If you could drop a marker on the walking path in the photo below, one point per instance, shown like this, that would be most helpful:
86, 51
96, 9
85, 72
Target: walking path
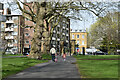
61, 69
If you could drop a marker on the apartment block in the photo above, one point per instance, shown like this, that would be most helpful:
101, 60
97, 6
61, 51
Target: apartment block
61, 33
2, 18
28, 30
78, 37
28, 35
12, 31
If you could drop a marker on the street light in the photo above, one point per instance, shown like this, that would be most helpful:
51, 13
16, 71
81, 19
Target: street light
74, 45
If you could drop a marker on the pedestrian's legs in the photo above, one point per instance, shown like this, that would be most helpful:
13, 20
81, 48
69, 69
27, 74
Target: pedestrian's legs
64, 59
52, 57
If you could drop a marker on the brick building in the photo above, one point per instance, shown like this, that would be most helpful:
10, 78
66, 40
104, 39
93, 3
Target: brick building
60, 33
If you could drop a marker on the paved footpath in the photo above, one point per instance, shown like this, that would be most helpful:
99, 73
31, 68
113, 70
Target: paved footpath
61, 69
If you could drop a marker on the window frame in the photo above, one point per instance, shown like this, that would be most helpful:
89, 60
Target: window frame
83, 42
26, 41
73, 36
83, 36
78, 36
26, 33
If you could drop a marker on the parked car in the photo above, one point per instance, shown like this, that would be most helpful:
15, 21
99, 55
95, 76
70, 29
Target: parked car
99, 53
26, 53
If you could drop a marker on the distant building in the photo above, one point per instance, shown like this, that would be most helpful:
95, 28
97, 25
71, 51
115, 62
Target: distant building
2, 18
78, 37
19, 33
61, 34
28, 35
12, 31
1, 8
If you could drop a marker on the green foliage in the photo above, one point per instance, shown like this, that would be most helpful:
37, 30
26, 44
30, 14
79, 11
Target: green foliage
45, 13
104, 33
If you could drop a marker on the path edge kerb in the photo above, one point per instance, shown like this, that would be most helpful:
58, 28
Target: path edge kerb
77, 67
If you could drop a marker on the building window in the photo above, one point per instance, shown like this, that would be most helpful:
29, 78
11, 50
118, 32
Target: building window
78, 42
73, 36
53, 42
27, 42
83, 36
54, 35
82, 42
26, 34
15, 46
58, 36
15, 41
15, 25
14, 33
2, 25
77, 36
57, 42
15, 18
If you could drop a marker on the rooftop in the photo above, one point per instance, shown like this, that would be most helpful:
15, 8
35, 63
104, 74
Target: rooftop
80, 30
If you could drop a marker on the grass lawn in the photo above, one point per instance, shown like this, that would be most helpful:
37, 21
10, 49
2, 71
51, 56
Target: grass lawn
13, 65
12, 55
97, 66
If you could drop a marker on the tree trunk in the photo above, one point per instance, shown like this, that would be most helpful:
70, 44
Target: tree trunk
46, 42
38, 33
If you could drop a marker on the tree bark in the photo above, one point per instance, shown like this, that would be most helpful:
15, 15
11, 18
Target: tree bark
38, 33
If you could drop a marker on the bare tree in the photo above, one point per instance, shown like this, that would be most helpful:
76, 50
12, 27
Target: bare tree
44, 13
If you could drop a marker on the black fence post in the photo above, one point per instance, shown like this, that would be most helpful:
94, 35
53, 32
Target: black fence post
83, 50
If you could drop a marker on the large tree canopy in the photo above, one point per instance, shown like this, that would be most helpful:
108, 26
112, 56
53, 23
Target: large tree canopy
104, 32
44, 13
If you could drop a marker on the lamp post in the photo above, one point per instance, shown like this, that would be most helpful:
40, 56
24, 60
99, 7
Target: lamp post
70, 49
64, 43
74, 44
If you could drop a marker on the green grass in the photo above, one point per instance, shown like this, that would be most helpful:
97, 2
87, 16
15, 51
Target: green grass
0, 65
13, 65
46, 56
12, 55
98, 68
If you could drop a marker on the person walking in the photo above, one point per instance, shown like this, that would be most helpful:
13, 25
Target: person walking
53, 52
64, 56
56, 58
